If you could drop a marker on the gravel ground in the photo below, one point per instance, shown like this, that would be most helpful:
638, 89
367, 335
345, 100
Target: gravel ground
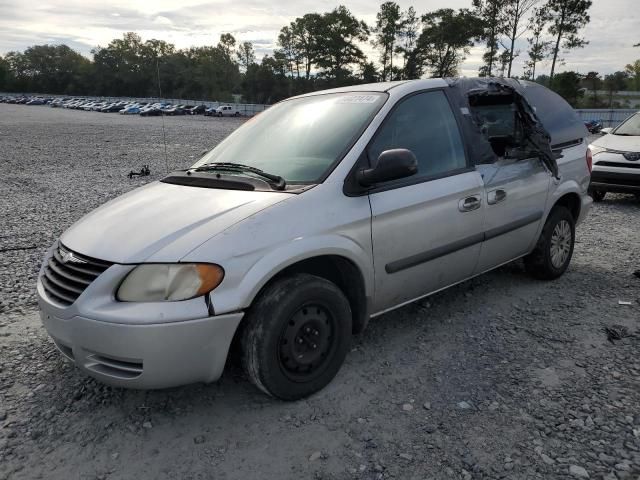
500, 377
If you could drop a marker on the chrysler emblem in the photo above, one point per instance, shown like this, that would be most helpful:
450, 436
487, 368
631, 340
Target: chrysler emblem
67, 257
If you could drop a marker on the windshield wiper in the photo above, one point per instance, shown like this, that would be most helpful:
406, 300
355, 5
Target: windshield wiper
278, 182
625, 135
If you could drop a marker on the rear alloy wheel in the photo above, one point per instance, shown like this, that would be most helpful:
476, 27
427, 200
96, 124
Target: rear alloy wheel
597, 195
296, 336
554, 248
561, 243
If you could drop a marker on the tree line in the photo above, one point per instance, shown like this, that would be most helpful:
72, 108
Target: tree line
315, 51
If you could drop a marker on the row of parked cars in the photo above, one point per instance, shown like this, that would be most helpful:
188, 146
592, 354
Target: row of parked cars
126, 107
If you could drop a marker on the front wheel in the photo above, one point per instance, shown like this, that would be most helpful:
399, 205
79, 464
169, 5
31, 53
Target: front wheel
554, 249
296, 337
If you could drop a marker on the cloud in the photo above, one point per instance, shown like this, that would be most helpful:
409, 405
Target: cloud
86, 24
162, 20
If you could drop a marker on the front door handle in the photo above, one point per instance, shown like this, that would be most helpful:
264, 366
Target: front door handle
470, 203
496, 196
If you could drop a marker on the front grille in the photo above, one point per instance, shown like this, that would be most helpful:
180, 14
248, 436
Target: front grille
68, 273
618, 164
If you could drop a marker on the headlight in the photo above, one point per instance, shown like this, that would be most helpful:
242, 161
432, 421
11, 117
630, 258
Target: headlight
596, 149
169, 282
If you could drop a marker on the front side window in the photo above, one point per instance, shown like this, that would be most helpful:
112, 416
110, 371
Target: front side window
300, 139
424, 124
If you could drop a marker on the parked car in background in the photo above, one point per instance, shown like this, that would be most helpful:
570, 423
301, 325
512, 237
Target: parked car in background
113, 107
594, 126
616, 160
413, 186
174, 110
152, 110
131, 110
197, 110
227, 111
88, 106
58, 102
36, 101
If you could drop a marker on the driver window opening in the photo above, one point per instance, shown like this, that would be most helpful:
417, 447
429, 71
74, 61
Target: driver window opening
498, 120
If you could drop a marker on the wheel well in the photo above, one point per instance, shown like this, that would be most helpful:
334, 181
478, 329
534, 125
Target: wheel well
342, 272
571, 201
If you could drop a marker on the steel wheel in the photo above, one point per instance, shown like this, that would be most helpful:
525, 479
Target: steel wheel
560, 243
306, 342
296, 336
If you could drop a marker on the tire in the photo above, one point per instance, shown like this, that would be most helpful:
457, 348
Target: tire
296, 336
552, 253
597, 195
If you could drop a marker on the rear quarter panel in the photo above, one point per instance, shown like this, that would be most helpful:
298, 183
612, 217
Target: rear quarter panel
574, 176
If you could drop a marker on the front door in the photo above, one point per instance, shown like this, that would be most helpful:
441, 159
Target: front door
426, 229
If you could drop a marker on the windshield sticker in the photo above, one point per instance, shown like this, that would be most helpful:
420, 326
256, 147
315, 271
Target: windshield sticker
358, 99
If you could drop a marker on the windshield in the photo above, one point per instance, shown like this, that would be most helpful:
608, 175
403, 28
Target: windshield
631, 126
299, 139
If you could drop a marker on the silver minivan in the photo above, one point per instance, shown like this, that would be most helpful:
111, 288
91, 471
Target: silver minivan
322, 212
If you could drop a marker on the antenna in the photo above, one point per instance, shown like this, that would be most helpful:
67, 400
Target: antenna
164, 135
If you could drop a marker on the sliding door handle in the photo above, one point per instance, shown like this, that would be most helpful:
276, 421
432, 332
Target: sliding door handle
496, 196
470, 203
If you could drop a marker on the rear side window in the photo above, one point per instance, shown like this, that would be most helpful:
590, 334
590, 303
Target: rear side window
424, 124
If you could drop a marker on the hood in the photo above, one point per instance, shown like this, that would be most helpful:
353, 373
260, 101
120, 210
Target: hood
619, 142
162, 222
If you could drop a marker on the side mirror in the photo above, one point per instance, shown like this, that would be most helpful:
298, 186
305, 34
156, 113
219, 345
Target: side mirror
391, 165
606, 130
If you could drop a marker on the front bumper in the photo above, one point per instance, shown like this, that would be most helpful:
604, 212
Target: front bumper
616, 181
145, 356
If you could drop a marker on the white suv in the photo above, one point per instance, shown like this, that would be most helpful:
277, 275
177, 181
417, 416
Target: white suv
322, 212
616, 160
227, 111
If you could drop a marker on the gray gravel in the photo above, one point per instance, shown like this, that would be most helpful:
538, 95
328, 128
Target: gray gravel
500, 377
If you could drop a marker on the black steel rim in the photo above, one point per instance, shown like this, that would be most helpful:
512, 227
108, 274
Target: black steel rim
307, 342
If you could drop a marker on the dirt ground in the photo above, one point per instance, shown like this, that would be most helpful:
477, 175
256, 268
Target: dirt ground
502, 376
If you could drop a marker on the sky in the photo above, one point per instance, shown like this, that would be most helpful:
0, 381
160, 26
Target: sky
86, 24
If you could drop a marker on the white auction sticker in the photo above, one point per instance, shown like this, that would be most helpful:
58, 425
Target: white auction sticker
358, 99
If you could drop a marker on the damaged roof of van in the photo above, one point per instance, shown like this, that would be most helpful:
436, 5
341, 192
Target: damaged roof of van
558, 117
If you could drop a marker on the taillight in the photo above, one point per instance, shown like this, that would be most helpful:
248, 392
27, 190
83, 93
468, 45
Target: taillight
589, 160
